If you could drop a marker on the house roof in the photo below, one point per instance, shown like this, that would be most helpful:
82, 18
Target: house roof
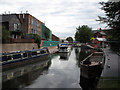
101, 39
102, 33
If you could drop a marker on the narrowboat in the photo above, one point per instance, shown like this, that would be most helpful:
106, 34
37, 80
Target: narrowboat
64, 48
92, 65
20, 58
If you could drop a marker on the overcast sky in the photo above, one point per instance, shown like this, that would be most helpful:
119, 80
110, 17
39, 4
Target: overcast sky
60, 16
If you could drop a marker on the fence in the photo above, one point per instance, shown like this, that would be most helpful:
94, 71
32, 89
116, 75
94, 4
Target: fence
50, 43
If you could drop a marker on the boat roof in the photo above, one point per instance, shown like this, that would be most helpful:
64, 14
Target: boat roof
64, 44
15, 52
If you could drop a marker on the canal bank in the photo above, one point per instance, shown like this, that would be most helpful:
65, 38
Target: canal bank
53, 49
110, 77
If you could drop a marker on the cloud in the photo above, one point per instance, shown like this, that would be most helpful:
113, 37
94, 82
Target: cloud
61, 16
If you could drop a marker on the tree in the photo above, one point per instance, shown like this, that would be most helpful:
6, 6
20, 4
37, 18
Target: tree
83, 34
112, 18
70, 39
37, 39
5, 35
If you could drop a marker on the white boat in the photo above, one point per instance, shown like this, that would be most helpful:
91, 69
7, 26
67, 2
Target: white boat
64, 48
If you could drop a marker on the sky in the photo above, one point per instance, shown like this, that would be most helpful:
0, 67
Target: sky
62, 17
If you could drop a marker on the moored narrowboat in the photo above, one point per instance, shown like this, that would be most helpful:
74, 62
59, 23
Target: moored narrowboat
64, 48
92, 66
20, 58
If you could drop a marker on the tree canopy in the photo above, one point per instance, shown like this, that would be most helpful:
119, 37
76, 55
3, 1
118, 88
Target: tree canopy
70, 39
112, 18
83, 34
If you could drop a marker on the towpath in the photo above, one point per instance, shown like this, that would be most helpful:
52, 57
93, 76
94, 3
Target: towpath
112, 64
110, 77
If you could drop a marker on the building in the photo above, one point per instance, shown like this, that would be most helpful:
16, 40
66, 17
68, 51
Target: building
100, 34
30, 24
24, 22
46, 33
12, 23
55, 38
100, 38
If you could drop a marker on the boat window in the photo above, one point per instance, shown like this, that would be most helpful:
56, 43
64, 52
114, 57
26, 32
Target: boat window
34, 53
38, 52
24, 54
4, 58
42, 52
9, 57
47, 50
16, 56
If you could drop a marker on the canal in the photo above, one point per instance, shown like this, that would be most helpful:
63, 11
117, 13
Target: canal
60, 71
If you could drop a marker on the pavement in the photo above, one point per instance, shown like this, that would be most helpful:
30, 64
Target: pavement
110, 77
112, 64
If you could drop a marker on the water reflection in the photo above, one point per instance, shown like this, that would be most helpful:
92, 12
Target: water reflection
20, 77
64, 56
89, 83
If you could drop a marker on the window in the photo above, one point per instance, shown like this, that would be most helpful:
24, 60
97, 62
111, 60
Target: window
15, 27
32, 21
29, 20
14, 36
23, 16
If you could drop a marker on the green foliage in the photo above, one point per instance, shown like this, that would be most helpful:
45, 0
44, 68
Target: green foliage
112, 18
70, 39
83, 34
99, 50
5, 35
36, 38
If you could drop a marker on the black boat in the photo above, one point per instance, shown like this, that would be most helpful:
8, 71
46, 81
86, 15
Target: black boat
21, 58
92, 66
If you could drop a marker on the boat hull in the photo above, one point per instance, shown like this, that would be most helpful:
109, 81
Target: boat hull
23, 62
91, 71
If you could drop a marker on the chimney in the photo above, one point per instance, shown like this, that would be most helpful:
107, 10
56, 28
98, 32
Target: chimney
100, 30
5, 12
26, 11
23, 15
19, 15
8, 12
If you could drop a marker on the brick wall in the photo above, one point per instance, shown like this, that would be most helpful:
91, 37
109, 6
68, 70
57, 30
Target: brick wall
18, 47
54, 38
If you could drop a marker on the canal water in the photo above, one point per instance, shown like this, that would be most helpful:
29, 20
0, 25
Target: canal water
60, 71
